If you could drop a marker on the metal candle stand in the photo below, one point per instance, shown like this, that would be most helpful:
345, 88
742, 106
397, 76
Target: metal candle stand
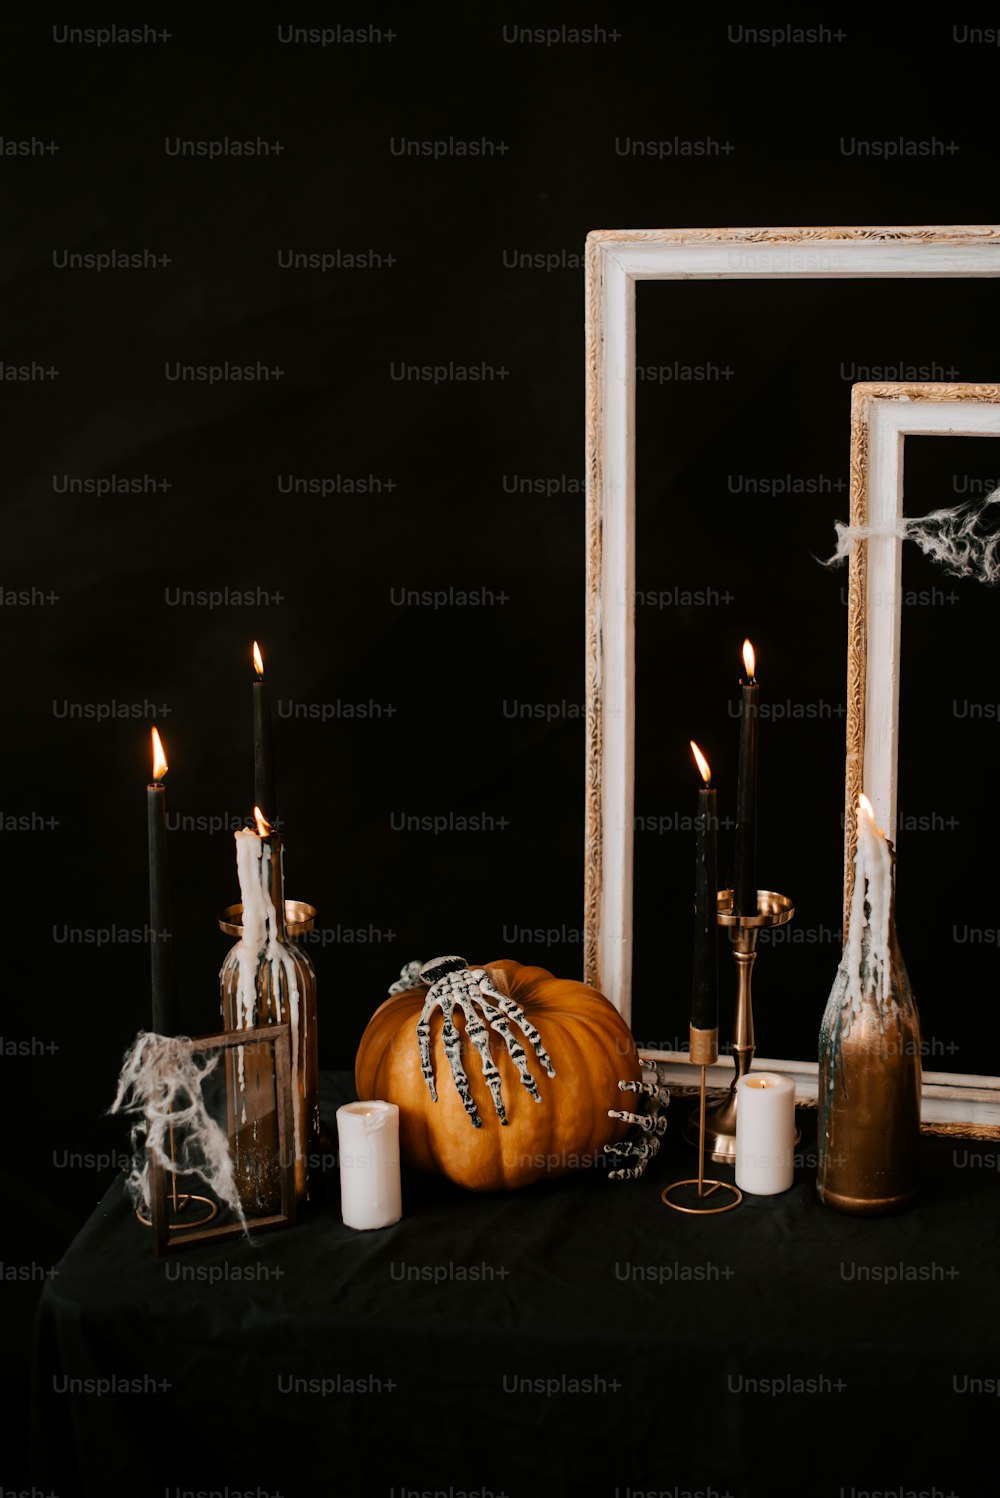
178, 1202
704, 1052
715, 1130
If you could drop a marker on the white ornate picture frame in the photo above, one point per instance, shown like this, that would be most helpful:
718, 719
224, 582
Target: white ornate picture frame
616, 260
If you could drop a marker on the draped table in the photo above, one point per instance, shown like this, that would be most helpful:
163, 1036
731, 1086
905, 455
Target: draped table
572, 1338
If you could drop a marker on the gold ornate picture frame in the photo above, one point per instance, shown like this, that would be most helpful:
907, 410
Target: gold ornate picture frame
882, 417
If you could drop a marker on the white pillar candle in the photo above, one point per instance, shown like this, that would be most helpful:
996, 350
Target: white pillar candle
370, 1194
765, 1133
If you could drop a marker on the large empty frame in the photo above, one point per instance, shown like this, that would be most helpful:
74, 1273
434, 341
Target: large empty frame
616, 259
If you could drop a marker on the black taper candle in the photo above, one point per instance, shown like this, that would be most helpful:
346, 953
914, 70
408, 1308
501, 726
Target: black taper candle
745, 861
165, 1020
263, 758
705, 974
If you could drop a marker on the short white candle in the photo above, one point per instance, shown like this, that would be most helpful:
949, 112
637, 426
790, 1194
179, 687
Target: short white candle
370, 1193
765, 1133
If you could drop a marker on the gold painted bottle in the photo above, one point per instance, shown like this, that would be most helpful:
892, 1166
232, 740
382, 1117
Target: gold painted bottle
869, 1086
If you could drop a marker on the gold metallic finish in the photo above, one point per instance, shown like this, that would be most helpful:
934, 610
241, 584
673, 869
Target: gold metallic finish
869, 1094
981, 1131
772, 910
719, 1135
299, 917
736, 1197
704, 1046
179, 1201
735, 1194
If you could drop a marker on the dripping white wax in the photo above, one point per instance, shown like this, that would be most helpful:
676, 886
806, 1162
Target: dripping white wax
872, 882
260, 934
278, 956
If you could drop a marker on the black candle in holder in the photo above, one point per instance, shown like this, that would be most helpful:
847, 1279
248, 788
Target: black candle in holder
745, 862
161, 933
263, 757
704, 1033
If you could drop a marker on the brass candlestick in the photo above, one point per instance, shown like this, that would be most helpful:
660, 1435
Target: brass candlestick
704, 1052
717, 1133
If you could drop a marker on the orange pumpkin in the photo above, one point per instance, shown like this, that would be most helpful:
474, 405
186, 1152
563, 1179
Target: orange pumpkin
591, 1048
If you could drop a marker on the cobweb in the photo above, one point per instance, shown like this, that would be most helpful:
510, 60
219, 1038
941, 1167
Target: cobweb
161, 1084
957, 538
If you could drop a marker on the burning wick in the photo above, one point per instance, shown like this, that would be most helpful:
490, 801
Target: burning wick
160, 766
702, 763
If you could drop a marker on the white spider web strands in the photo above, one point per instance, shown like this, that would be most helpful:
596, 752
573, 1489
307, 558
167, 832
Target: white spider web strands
161, 1082
953, 537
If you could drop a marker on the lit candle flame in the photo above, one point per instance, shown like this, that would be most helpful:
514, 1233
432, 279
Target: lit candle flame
867, 810
702, 763
749, 660
160, 765
263, 825
258, 660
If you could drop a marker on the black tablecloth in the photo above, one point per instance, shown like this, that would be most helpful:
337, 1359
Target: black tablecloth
576, 1338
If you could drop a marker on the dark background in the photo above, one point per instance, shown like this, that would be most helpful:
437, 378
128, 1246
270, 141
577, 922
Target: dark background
474, 486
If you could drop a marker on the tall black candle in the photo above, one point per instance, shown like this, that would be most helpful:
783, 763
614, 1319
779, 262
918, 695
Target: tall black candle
745, 864
161, 926
705, 976
263, 759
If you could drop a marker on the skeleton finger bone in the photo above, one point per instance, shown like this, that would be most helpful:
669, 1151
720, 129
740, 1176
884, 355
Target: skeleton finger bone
647, 1089
650, 1123
517, 1014
514, 1047
639, 1150
480, 1037
453, 985
453, 1050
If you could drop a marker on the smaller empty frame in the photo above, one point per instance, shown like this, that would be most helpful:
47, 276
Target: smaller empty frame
259, 1057
882, 416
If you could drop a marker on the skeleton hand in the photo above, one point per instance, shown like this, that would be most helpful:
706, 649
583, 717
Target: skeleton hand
454, 985
653, 1124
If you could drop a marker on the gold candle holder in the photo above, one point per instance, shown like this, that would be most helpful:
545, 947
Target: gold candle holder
704, 1051
716, 1131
